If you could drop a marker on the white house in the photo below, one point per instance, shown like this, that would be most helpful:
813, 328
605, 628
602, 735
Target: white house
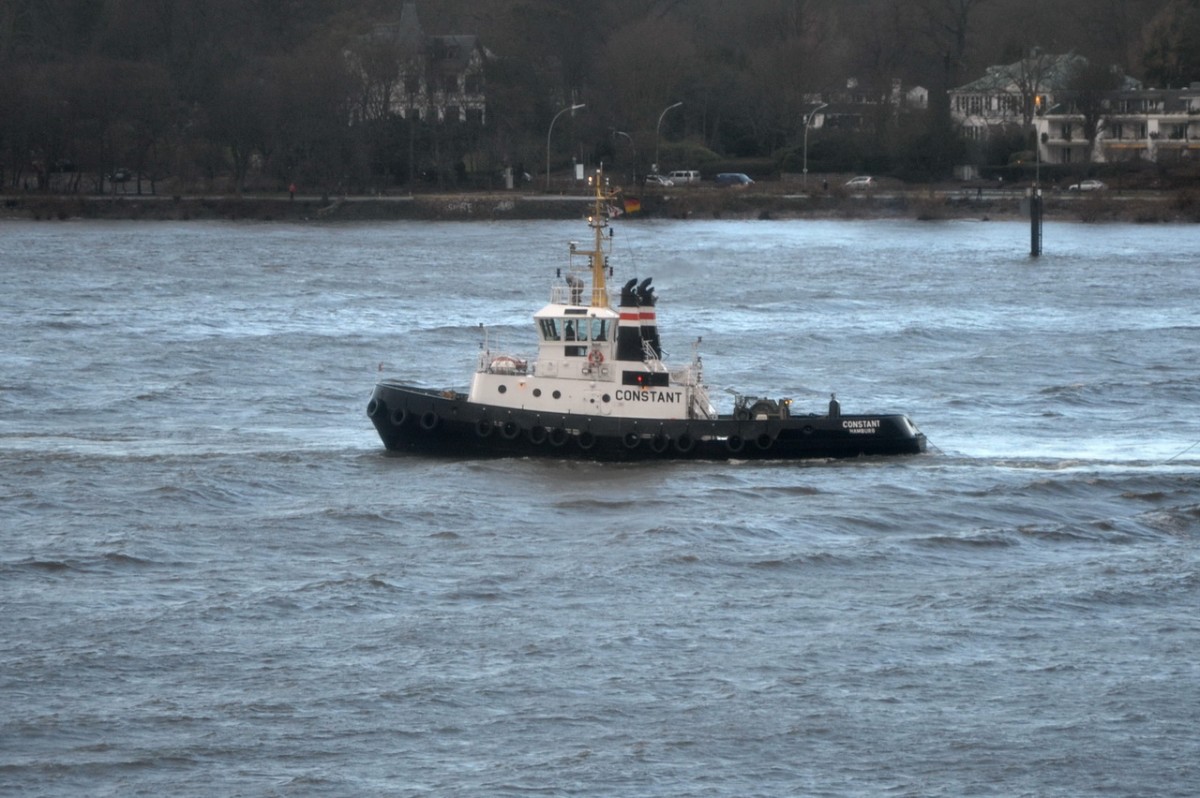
849, 108
409, 74
1011, 94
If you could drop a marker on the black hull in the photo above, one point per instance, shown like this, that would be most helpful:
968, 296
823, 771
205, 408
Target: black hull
444, 423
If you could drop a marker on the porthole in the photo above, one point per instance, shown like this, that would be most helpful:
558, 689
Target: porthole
502, 389
606, 398
557, 395
537, 391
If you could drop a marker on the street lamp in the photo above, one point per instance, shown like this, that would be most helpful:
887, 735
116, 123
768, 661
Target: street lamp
659, 127
807, 122
571, 108
632, 145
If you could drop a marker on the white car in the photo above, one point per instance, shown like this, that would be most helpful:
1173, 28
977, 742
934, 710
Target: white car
659, 180
860, 182
1088, 185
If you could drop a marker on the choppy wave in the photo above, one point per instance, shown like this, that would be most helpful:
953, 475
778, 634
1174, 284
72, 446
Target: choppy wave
215, 582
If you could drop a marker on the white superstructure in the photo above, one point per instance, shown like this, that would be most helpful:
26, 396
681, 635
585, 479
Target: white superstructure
592, 359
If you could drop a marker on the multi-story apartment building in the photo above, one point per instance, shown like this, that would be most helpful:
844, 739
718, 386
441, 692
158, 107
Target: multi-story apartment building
1156, 125
1129, 123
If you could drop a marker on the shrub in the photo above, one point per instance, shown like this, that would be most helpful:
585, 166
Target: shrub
687, 154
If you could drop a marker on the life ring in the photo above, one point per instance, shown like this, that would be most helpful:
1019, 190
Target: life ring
510, 430
631, 440
586, 440
557, 436
595, 357
483, 428
659, 443
734, 443
764, 441
685, 443
375, 407
429, 420
537, 434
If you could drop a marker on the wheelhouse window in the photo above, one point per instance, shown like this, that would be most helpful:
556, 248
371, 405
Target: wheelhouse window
576, 329
599, 329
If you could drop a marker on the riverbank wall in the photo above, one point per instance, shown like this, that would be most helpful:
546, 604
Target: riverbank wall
705, 203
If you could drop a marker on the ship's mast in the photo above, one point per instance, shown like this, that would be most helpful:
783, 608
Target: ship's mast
598, 221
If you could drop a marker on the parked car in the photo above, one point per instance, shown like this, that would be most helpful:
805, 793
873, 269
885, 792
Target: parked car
683, 177
120, 176
659, 180
860, 182
1087, 185
734, 179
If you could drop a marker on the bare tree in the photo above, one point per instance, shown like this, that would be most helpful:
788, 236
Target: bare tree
1171, 44
1036, 75
947, 27
1110, 28
375, 60
1088, 87
644, 67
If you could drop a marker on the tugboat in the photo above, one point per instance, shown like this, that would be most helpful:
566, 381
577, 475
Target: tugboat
599, 390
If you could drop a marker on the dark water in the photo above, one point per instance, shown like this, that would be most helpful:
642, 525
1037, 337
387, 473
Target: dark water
213, 582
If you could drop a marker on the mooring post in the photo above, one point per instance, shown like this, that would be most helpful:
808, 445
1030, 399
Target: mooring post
1035, 221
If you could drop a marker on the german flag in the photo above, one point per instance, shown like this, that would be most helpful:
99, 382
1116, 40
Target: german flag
632, 204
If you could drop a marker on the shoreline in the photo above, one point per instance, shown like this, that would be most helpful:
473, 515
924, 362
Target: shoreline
691, 203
